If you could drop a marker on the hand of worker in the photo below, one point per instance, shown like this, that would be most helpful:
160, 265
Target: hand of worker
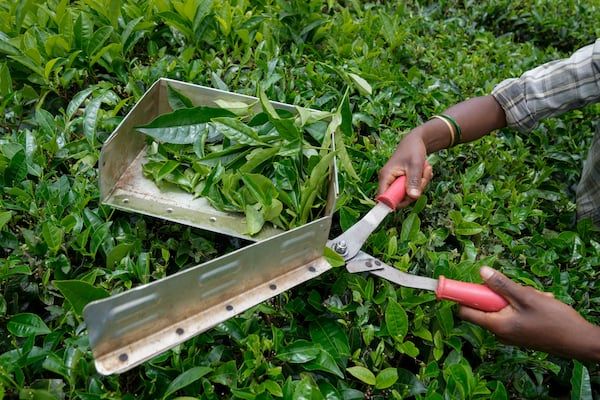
409, 160
463, 122
536, 320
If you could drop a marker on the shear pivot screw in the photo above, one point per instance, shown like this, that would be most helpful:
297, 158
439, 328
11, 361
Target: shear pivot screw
340, 247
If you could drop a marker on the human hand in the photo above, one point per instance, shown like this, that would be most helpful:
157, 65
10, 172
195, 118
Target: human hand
536, 320
409, 160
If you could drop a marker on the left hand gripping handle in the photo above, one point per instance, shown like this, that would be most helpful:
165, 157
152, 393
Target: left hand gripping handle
470, 294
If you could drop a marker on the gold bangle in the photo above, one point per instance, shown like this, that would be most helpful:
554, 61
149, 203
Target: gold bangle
456, 126
450, 127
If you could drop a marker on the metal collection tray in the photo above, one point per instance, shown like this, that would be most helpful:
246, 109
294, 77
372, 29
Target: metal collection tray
131, 327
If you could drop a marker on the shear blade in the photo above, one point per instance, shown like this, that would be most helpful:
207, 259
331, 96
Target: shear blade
366, 263
348, 244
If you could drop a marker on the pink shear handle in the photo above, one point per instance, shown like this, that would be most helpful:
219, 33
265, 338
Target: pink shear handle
470, 294
394, 194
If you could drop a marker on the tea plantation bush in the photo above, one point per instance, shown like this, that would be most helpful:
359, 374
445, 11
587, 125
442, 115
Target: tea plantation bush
70, 71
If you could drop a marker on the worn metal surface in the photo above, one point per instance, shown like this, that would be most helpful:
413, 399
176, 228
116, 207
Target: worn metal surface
364, 262
134, 326
349, 243
123, 186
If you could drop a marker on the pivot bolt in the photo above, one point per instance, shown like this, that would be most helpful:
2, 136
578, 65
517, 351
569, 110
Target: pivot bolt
340, 247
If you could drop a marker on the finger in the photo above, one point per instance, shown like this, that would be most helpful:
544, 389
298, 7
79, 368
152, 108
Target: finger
414, 178
500, 284
387, 176
487, 320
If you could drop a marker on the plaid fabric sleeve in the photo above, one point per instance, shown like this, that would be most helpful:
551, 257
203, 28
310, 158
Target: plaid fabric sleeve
551, 89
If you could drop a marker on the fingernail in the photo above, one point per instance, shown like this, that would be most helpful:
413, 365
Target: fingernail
486, 272
413, 192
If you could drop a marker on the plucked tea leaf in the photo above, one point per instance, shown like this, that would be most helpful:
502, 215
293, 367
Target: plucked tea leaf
255, 219
183, 126
237, 131
285, 126
236, 107
333, 258
177, 100
313, 185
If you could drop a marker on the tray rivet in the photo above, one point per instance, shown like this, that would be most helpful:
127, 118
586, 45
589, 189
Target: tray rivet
272, 286
169, 210
377, 262
123, 357
212, 219
229, 307
312, 269
125, 201
179, 331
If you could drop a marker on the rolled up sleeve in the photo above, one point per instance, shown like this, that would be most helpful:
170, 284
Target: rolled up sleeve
551, 89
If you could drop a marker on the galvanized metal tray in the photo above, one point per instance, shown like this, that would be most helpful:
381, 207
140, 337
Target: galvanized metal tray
123, 185
134, 326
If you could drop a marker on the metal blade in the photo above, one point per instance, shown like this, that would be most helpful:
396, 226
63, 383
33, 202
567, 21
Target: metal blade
348, 244
363, 262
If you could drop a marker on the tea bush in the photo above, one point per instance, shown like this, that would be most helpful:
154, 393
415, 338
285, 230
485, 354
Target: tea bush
69, 73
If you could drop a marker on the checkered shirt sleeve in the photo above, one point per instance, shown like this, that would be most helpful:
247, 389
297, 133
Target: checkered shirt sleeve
551, 89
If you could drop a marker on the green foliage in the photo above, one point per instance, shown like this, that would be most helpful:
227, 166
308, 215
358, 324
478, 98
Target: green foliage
272, 166
69, 72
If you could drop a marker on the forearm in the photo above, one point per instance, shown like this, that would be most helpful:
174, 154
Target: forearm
586, 346
476, 118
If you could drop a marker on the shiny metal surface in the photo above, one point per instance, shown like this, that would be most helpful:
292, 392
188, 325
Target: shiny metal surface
363, 262
134, 326
348, 244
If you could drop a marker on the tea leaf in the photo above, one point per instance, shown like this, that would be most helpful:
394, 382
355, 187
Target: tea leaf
363, 374
468, 228
16, 170
80, 293
386, 378
324, 362
53, 236
396, 320
581, 387
237, 131
182, 126
5, 217
178, 100
185, 379
361, 84
27, 324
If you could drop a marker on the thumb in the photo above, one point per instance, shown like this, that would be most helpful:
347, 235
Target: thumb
414, 175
